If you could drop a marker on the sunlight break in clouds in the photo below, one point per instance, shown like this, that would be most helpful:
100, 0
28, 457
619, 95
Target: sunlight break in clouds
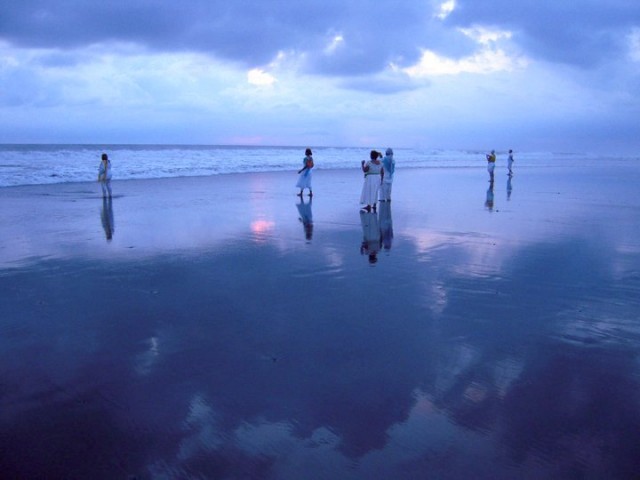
334, 44
488, 59
257, 76
445, 9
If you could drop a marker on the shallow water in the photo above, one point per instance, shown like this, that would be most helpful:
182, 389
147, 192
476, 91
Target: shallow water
215, 335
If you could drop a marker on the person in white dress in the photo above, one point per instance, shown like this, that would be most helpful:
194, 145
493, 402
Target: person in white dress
373, 176
304, 174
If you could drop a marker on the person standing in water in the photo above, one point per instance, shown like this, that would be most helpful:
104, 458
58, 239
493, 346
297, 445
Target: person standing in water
373, 176
491, 164
510, 163
104, 175
304, 179
388, 167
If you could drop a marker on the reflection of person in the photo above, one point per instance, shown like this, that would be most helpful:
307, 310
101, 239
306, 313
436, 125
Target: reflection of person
370, 235
388, 167
491, 164
106, 216
306, 217
509, 188
489, 202
104, 175
373, 176
304, 178
386, 225
510, 163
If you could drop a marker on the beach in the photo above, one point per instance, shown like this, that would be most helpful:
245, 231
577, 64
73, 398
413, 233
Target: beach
222, 327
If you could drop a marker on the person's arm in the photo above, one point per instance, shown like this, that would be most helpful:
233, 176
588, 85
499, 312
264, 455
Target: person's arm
365, 168
381, 175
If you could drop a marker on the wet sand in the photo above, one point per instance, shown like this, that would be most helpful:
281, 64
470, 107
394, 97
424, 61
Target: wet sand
216, 328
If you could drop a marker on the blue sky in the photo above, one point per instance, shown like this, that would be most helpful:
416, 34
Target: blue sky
554, 75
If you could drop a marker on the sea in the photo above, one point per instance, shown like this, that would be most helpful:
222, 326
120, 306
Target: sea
47, 164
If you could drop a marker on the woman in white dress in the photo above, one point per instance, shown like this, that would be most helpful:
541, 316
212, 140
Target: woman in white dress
373, 176
304, 178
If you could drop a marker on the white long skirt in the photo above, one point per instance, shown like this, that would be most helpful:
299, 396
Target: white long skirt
370, 188
304, 180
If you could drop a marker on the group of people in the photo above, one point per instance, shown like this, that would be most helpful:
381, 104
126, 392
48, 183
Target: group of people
491, 164
378, 178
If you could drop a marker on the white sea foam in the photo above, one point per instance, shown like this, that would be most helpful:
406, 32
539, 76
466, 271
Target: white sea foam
45, 164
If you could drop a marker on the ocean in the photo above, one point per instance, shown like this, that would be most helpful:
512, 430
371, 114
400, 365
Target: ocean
47, 164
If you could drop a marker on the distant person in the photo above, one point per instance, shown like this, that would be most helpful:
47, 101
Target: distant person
388, 167
104, 175
306, 217
304, 179
373, 176
491, 164
106, 217
371, 240
510, 163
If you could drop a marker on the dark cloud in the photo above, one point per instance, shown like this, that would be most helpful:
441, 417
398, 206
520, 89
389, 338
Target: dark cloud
578, 33
249, 32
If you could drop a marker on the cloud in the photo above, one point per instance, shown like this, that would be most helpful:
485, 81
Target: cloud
257, 76
275, 70
576, 33
335, 38
489, 58
340, 39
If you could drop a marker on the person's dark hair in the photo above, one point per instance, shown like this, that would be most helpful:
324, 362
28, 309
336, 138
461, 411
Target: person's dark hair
105, 157
374, 154
308, 152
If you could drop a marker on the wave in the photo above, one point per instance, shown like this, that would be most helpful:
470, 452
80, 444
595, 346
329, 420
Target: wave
46, 164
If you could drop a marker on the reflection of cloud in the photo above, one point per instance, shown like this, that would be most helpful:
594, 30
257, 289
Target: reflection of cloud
264, 438
201, 426
426, 240
333, 257
437, 297
147, 359
484, 255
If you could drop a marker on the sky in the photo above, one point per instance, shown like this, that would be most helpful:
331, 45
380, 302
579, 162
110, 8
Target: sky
534, 75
